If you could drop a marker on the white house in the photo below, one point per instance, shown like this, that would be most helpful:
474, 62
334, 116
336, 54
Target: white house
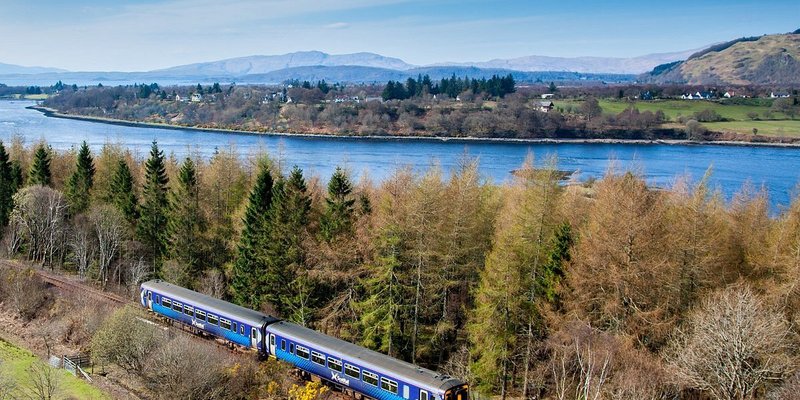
729, 94
545, 106
547, 96
197, 97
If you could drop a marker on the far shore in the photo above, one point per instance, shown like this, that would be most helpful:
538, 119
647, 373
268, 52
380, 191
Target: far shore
49, 112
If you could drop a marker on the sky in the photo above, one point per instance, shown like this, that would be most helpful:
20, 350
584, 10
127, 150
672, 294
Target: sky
117, 35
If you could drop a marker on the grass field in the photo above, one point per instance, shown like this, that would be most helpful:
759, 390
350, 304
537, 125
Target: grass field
14, 362
784, 128
676, 108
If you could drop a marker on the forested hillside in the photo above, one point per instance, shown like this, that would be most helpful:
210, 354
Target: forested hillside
532, 289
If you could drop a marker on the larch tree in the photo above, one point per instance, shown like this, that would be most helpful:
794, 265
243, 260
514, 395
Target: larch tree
517, 279
188, 222
122, 193
226, 186
81, 181
152, 229
40, 173
249, 263
337, 218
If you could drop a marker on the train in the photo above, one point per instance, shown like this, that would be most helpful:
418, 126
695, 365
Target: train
348, 367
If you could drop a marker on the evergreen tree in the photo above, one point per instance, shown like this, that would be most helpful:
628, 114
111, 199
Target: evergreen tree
249, 263
337, 219
152, 229
16, 175
122, 194
285, 253
40, 169
383, 311
81, 181
7, 187
188, 224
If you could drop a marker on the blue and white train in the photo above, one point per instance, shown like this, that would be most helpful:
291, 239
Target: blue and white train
347, 366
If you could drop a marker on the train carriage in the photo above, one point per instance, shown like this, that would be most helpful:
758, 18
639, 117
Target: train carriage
219, 318
353, 367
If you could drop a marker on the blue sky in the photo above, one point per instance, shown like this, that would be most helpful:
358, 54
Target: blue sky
150, 34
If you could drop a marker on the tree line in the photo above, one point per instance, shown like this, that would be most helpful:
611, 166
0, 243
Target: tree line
494, 87
531, 288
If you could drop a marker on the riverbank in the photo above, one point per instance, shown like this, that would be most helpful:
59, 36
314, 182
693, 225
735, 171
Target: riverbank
49, 112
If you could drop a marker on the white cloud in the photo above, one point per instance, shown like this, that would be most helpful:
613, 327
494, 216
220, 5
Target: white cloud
338, 25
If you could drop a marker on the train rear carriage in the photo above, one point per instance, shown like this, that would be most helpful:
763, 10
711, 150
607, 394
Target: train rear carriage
365, 371
216, 317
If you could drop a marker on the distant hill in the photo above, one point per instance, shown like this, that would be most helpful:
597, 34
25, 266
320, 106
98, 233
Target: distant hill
264, 64
358, 74
764, 60
19, 69
633, 65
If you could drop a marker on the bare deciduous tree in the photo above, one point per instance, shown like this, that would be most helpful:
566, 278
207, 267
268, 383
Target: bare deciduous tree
43, 382
7, 385
82, 244
41, 214
733, 346
110, 229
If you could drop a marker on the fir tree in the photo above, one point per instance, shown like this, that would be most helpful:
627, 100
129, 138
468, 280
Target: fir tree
337, 218
81, 181
152, 229
250, 260
7, 187
188, 224
122, 194
17, 179
40, 169
285, 254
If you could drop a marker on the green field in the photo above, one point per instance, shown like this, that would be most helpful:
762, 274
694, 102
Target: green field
15, 361
677, 108
783, 128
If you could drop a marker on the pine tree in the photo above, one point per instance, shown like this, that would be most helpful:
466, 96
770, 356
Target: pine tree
81, 181
188, 224
40, 169
152, 229
122, 194
7, 187
337, 219
17, 179
250, 259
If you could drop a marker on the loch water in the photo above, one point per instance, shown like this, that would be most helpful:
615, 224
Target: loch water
777, 169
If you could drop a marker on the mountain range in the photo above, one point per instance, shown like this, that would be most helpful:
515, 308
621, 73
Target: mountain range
355, 67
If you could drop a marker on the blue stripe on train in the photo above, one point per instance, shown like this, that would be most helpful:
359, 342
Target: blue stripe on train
207, 327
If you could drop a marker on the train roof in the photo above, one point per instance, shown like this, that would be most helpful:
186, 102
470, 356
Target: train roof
379, 362
246, 315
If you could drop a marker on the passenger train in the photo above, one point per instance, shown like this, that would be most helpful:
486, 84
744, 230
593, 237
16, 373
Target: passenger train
340, 363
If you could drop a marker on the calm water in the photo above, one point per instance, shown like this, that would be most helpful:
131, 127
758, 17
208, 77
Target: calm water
777, 169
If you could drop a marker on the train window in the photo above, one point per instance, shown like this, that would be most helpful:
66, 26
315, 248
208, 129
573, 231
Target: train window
272, 340
283, 345
318, 358
188, 310
351, 371
166, 302
234, 328
241, 329
224, 324
212, 319
423, 395
201, 315
149, 295
253, 333
302, 352
291, 348
389, 385
334, 364
369, 378
177, 306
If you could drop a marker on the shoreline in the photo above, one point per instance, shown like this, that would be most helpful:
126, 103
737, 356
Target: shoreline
49, 112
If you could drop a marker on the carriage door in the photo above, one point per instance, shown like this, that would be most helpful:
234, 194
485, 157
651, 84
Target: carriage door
150, 300
272, 344
254, 338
